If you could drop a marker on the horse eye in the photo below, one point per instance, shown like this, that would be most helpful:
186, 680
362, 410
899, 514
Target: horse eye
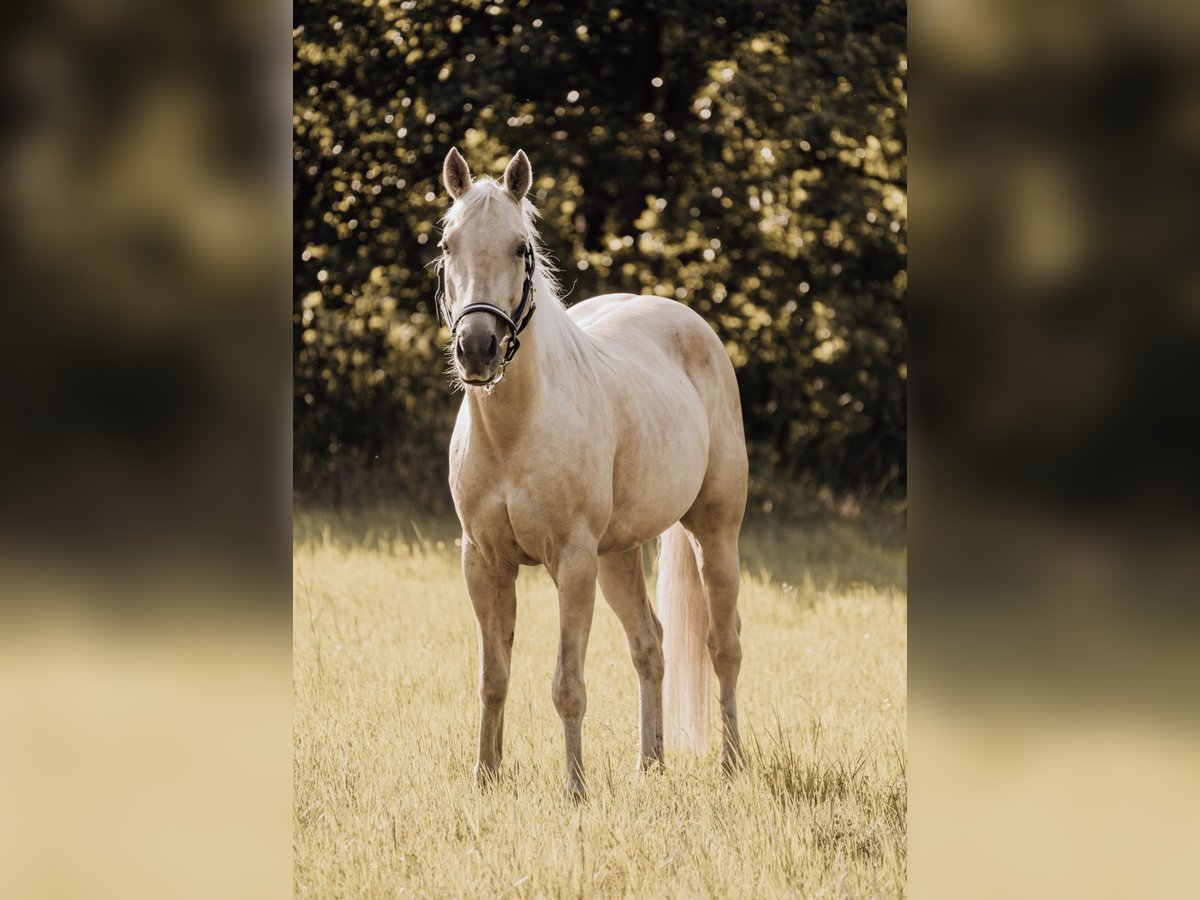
522, 249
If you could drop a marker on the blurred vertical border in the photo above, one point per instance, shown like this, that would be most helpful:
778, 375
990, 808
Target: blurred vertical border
1054, 533
144, 672
144, 465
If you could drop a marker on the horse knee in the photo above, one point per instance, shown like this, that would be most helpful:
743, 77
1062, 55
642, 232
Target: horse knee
570, 698
493, 688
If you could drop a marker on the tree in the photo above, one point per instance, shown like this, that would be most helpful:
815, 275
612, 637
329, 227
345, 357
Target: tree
747, 159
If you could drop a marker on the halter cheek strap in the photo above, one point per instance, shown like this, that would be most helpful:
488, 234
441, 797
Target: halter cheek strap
515, 323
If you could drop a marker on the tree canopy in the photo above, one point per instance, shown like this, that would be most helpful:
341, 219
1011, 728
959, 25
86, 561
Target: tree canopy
748, 159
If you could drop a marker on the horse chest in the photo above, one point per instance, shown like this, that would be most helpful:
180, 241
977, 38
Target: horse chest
512, 514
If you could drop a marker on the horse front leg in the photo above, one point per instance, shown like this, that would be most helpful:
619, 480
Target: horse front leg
575, 576
493, 595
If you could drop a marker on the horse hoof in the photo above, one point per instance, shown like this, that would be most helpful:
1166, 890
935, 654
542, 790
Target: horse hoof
651, 764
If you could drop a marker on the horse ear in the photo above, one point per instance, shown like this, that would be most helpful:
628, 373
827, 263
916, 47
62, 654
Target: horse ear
518, 176
455, 174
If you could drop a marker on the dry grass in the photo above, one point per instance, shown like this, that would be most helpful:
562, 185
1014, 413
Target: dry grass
385, 717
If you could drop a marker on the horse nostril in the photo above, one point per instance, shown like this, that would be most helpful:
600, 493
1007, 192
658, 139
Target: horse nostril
458, 347
493, 346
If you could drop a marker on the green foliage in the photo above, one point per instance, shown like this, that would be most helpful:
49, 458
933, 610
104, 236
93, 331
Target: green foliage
747, 159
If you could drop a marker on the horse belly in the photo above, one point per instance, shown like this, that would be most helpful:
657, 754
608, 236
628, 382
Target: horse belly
655, 483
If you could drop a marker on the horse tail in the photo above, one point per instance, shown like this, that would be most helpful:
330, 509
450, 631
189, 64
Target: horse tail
683, 611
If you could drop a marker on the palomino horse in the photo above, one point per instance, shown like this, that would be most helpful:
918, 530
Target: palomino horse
617, 422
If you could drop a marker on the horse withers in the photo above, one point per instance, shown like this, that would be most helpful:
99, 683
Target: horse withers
584, 434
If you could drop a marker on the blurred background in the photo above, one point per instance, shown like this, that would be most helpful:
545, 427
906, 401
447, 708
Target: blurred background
1054, 528
145, 694
153, 303
748, 160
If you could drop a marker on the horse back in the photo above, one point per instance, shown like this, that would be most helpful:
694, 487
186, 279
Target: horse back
657, 337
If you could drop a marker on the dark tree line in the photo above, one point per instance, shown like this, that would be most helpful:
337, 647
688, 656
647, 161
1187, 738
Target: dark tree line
746, 158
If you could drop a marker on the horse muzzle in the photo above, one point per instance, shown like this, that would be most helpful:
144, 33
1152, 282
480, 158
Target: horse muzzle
477, 349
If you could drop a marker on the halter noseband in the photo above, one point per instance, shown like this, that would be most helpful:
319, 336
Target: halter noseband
515, 323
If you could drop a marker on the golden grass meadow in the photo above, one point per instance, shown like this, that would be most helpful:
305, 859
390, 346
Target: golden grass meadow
385, 709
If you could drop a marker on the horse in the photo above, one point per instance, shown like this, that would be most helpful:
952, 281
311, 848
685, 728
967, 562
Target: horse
583, 434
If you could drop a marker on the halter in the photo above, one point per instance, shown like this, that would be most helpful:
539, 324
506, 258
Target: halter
522, 315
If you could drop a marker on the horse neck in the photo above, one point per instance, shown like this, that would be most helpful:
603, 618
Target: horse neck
552, 348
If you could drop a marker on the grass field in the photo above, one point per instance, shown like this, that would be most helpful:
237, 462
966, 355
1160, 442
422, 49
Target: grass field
385, 718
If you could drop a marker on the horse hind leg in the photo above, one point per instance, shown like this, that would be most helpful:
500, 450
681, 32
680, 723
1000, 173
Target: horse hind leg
714, 522
623, 583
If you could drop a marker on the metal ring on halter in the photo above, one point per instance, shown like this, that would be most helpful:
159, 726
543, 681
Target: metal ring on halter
515, 323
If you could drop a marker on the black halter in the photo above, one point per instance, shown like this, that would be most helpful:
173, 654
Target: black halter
515, 323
